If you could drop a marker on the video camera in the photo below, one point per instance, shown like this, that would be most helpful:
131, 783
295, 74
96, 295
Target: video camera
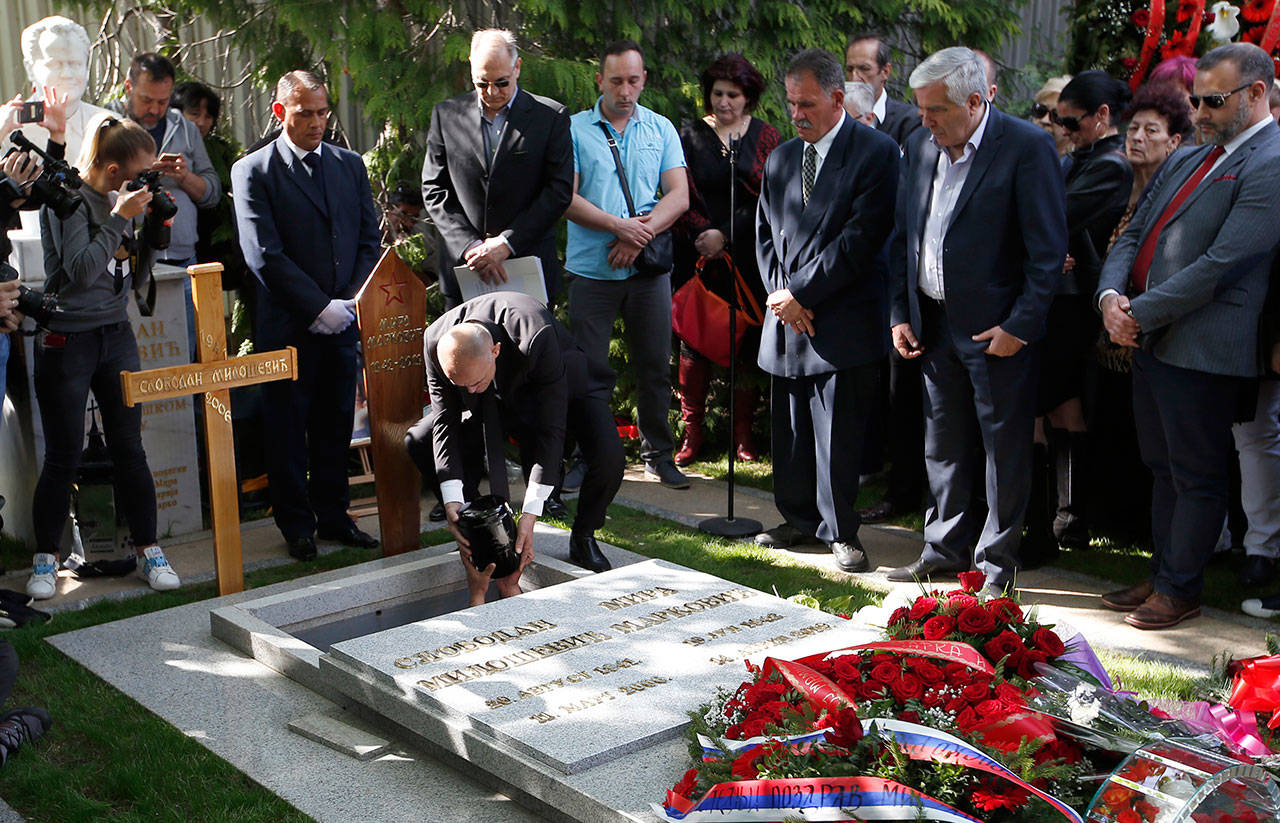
37, 305
56, 185
160, 213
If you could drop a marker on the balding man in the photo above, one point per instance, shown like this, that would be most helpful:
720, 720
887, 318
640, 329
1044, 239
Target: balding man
497, 139
309, 234
860, 101
505, 359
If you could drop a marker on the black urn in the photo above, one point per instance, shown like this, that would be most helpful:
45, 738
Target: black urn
490, 526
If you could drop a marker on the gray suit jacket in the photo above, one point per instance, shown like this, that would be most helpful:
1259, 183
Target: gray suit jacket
1208, 279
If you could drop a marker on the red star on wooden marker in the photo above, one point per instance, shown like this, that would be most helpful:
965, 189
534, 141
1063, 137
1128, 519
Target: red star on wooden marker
399, 287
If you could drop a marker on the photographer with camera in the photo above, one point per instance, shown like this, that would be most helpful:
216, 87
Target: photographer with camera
19, 171
92, 260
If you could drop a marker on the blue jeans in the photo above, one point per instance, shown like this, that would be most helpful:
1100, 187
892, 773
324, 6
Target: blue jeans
4, 368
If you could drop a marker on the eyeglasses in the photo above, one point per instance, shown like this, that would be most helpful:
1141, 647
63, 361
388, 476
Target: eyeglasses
1215, 101
1039, 110
497, 84
1068, 123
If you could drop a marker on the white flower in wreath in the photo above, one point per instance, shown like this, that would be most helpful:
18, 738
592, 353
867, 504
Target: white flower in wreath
1225, 23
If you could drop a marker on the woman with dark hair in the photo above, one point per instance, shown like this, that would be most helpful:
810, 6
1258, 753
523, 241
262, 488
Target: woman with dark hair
198, 103
731, 88
1159, 122
1098, 181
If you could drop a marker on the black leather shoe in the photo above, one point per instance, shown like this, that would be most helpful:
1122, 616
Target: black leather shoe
584, 551
878, 513
304, 548
850, 557
437, 514
555, 507
1257, 571
922, 569
354, 538
667, 474
784, 537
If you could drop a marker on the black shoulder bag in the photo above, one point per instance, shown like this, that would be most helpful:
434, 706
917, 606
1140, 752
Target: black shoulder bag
657, 257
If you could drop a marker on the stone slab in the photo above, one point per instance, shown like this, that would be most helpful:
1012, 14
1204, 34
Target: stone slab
576, 675
340, 736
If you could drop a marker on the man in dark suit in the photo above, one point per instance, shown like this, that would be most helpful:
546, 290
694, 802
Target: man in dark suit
499, 135
309, 234
981, 237
867, 58
826, 210
1185, 285
504, 358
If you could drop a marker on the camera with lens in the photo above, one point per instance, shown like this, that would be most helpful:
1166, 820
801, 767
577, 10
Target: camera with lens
55, 187
160, 213
37, 305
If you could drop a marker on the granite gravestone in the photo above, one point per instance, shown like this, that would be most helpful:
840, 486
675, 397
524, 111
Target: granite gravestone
391, 311
581, 673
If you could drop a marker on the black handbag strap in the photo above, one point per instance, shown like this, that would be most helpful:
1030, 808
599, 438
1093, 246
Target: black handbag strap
617, 161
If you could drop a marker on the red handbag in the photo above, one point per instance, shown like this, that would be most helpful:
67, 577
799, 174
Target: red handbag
700, 317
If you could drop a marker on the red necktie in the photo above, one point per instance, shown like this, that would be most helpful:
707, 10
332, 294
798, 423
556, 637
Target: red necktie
1138, 276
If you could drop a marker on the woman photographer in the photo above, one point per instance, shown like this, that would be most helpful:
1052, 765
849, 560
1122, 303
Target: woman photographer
90, 259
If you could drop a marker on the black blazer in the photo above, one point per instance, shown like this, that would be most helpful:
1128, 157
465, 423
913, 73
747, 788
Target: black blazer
825, 251
901, 120
1099, 181
532, 175
306, 246
540, 369
1003, 253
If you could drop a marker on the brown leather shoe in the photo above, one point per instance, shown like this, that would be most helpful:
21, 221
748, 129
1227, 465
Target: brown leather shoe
1161, 611
1126, 600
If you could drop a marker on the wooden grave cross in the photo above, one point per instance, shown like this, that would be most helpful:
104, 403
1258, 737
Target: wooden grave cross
214, 376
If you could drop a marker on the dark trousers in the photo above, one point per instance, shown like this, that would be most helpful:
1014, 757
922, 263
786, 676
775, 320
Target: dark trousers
819, 428
905, 446
64, 375
1184, 421
307, 425
977, 409
644, 303
589, 419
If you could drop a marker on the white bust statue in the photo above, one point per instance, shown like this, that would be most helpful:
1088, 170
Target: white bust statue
55, 51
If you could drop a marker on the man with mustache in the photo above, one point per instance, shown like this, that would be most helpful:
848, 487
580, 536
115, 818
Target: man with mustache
825, 213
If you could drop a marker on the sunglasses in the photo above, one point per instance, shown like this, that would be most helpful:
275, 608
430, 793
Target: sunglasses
497, 84
1215, 101
1068, 123
1039, 110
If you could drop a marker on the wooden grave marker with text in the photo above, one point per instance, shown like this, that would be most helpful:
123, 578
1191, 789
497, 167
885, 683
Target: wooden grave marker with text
391, 309
214, 376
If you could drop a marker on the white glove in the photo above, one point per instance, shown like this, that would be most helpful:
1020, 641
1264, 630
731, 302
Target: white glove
335, 317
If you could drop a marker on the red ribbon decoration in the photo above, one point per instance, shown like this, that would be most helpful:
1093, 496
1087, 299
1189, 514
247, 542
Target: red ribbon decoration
949, 650
1155, 28
1257, 685
1193, 32
817, 689
1272, 34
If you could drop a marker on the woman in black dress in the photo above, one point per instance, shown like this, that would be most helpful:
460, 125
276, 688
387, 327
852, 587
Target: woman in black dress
731, 88
1098, 182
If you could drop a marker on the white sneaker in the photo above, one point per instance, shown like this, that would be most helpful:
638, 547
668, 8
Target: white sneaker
43, 582
153, 568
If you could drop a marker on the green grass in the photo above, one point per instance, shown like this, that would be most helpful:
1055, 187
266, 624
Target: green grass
1157, 681
107, 756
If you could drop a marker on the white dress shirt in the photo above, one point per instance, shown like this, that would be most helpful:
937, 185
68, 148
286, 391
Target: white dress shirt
881, 106
301, 154
822, 146
948, 180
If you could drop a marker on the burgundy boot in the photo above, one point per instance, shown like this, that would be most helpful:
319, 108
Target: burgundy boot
695, 375
744, 412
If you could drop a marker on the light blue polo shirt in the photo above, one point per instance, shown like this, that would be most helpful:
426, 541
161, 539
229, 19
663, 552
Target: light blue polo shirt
649, 146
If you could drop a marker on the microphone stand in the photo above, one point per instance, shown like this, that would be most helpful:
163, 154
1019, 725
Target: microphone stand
730, 526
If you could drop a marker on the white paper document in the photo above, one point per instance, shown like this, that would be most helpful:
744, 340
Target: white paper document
524, 274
